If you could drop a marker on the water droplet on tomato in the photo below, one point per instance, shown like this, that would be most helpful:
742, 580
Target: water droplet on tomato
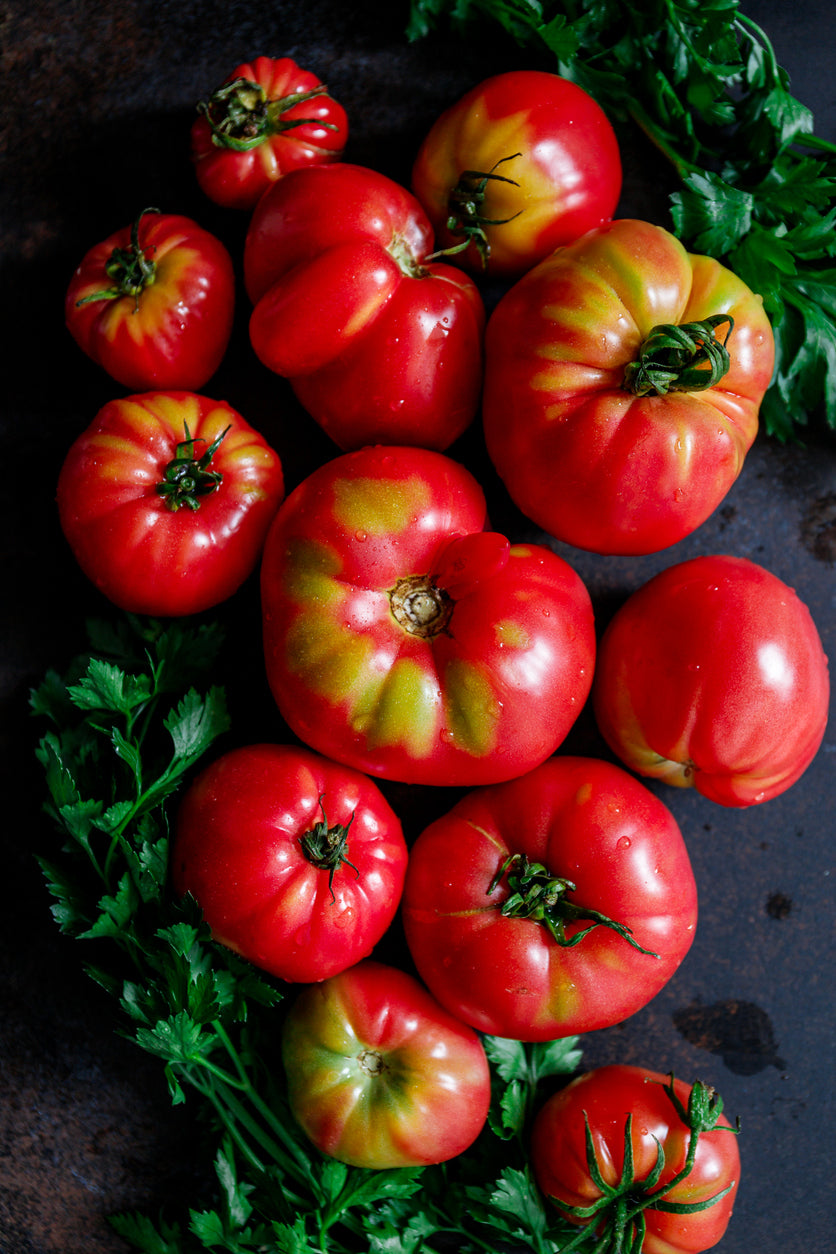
623, 842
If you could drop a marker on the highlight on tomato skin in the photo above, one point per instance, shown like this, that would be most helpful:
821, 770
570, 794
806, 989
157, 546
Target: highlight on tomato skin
677, 1192
525, 162
712, 675
296, 862
557, 903
379, 1075
153, 303
165, 501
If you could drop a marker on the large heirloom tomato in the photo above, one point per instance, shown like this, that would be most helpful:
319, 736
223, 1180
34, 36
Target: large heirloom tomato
525, 162
380, 344
712, 675
622, 387
165, 500
403, 639
153, 303
556, 903
296, 862
267, 118
673, 1193
379, 1075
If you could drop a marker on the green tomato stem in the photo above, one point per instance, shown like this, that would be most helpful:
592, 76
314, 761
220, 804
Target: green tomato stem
535, 893
680, 358
241, 117
130, 269
464, 211
187, 477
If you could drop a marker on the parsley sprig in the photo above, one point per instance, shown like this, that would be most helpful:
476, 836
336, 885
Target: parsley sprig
126, 725
757, 186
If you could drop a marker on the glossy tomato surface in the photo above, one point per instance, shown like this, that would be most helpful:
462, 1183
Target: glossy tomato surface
712, 675
606, 1098
577, 833
267, 118
153, 303
588, 446
154, 531
379, 1075
380, 344
403, 639
296, 862
525, 162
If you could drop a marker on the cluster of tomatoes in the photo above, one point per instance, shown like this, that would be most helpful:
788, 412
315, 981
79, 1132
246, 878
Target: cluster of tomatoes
619, 380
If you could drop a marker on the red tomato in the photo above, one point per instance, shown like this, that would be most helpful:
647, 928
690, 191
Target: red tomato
607, 411
379, 344
699, 1171
379, 1075
296, 862
524, 163
165, 500
153, 303
267, 118
712, 675
404, 640
502, 891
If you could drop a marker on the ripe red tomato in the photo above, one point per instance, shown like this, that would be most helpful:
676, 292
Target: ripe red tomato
380, 345
403, 639
267, 118
607, 411
165, 500
296, 862
712, 675
379, 1075
524, 163
679, 1205
153, 303
502, 891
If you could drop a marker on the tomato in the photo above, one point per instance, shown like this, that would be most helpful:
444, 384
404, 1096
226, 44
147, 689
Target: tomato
379, 1075
556, 903
677, 1195
403, 639
610, 410
525, 162
165, 500
267, 118
296, 862
153, 304
380, 345
712, 675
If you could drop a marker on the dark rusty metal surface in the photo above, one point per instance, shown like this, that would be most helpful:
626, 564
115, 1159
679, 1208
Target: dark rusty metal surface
94, 123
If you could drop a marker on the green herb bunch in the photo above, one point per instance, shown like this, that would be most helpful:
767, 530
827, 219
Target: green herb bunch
756, 187
127, 724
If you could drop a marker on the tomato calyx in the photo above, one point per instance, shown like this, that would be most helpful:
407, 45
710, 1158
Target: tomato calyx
536, 894
680, 358
240, 115
420, 606
325, 847
622, 1206
186, 477
464, 206
131, 269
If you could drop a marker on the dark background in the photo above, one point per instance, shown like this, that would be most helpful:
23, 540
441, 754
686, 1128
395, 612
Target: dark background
94, 120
